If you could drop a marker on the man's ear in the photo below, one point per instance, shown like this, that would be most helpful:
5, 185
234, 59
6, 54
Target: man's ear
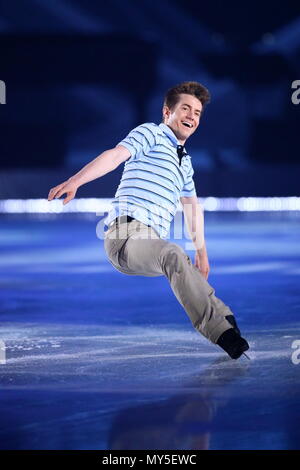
165, 111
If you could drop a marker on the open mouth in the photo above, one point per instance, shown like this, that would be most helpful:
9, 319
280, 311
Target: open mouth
187, 124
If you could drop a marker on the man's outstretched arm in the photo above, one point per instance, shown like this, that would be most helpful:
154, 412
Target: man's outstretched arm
100, 166
194, 219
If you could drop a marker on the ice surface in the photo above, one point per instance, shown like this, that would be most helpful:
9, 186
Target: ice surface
94, 360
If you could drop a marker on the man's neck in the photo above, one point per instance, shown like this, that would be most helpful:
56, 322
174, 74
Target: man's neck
182, 142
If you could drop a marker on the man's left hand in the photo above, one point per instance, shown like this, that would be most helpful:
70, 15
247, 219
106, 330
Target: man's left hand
201, 262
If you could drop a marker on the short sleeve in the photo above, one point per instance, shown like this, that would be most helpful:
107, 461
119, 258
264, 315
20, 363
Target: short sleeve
189, 189
140, 140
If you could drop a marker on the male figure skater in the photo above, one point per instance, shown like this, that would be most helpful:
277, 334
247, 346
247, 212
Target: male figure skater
157, 174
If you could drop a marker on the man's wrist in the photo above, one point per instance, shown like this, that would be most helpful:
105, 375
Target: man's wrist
74, 180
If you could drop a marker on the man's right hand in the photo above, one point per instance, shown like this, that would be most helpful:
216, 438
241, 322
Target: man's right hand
67, 187
108, 161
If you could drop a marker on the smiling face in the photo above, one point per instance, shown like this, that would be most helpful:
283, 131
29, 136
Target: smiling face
184, 118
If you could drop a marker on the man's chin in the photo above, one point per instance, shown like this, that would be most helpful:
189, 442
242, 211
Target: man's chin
186, 135
182, 135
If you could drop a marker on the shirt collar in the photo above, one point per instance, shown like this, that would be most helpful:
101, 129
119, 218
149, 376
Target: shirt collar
168, 131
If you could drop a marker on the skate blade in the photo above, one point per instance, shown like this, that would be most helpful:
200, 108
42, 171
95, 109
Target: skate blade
247, 356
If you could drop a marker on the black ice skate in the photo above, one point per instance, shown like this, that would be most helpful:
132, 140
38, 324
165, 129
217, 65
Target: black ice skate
233, 343
231, 319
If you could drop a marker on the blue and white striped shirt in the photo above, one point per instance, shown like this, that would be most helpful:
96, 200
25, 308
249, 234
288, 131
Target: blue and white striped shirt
152, 181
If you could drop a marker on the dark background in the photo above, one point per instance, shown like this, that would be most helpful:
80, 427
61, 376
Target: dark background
80, 75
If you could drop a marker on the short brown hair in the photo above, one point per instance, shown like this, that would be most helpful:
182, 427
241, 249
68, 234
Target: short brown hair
190, 88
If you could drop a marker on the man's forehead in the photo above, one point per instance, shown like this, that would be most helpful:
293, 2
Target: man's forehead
190, 100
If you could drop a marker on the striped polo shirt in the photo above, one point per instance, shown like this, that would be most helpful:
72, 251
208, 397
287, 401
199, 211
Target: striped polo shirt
152, 181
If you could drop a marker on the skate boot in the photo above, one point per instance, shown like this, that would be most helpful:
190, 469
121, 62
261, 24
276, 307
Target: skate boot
231, 319
232, 343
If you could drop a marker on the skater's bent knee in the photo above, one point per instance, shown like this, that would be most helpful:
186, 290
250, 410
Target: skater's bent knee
173, 255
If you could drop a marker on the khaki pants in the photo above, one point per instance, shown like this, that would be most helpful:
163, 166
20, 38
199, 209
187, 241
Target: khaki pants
136, 249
